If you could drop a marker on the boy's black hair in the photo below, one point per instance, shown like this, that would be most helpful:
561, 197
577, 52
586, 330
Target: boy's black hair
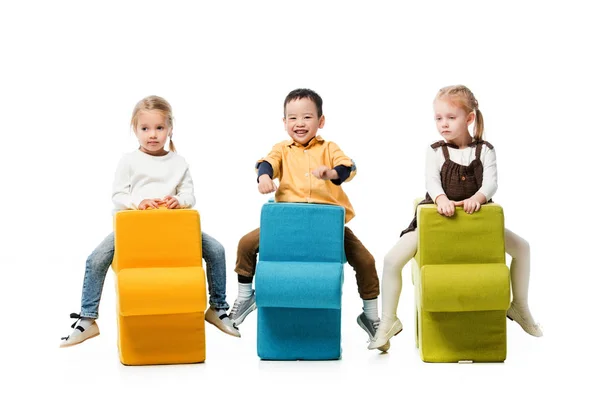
305, 94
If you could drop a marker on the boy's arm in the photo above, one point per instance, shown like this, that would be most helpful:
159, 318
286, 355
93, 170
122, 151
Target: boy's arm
273, 160
264, 168
343, 173
343, 165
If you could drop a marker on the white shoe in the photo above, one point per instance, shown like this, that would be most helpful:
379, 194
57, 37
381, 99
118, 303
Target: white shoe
530, 327
79, 333
241, 309
384, 333
223, 322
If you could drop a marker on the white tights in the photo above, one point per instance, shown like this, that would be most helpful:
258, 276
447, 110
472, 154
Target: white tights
404, 250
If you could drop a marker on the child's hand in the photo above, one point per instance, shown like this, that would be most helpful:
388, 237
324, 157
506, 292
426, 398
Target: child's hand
445, 206
325, 173
470, 205
266, 184
171, 202
150, 203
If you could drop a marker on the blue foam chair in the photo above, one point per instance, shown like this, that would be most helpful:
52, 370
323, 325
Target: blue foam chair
299, 280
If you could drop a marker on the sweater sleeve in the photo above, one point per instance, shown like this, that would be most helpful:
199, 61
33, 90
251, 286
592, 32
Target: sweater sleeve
121, 194
433, 180
185, 191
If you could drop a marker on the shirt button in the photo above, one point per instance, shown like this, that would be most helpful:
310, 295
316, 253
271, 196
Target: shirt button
462, 178
306, 174
305, 151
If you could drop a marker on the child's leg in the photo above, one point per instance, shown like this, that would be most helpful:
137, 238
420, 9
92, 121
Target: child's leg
214, 255
364, 266
247, 253
96, 267
518, 249
216, 274
367, 281
393, 263
245, 267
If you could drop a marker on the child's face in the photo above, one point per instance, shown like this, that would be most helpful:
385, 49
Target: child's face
452, 122
301, 120
152, 132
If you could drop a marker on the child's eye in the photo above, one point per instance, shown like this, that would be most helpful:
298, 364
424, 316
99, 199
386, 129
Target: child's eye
144, 129
160, 128
308, 117
451, 117
292, 118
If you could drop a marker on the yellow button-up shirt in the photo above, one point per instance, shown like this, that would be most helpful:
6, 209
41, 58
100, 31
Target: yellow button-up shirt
293, 165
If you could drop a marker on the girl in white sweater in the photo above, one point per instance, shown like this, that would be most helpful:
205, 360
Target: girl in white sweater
148, 178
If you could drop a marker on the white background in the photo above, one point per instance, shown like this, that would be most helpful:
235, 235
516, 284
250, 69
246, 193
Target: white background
71, 73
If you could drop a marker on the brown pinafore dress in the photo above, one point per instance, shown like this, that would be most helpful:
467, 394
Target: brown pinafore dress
458, 181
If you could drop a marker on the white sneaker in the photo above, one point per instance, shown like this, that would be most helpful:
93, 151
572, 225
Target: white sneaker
241, 308
79, 334
384, 334
530, 327
371, 327
223, 323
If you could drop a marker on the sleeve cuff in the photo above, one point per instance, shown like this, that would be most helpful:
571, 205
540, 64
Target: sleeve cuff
343, 174
264, 167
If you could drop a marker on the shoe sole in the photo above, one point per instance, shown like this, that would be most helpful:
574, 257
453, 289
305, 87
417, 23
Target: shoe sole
238, 321
387, 345
62, 346
220, 325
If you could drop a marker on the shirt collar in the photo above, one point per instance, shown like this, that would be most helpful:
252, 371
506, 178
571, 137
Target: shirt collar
313, 141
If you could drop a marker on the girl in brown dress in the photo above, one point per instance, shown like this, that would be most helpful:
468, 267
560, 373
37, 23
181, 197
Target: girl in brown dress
460, 171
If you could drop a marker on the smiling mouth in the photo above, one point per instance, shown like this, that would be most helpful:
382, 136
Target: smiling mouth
300, 132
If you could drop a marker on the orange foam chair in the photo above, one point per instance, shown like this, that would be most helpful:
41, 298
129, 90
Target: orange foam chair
161, 287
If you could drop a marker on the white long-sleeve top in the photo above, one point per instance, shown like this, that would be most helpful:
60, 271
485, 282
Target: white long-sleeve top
140, 176
435, 160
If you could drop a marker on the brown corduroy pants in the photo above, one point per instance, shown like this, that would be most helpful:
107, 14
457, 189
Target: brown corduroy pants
356, 253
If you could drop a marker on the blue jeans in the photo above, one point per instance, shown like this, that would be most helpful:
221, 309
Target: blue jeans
99, 261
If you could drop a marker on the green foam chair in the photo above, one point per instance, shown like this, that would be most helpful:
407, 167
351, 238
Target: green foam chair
462, 285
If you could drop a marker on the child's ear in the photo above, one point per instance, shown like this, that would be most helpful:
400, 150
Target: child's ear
321, 121
471, 118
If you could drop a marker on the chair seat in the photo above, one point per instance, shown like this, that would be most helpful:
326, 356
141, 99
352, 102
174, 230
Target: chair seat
465, 287
156, 291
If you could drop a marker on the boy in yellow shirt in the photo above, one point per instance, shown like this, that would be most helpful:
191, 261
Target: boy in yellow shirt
310, 170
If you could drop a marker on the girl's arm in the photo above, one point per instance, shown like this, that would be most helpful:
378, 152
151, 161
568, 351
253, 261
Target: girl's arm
490, 174
185, 191
121, 195
433, 180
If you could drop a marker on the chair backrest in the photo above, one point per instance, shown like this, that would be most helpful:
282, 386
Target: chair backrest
157, 238
460, 239
302, 232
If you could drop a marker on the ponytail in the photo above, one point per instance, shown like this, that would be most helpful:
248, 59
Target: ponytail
478, 128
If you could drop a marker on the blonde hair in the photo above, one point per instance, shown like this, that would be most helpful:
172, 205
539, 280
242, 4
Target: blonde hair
154, 103
461, 96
